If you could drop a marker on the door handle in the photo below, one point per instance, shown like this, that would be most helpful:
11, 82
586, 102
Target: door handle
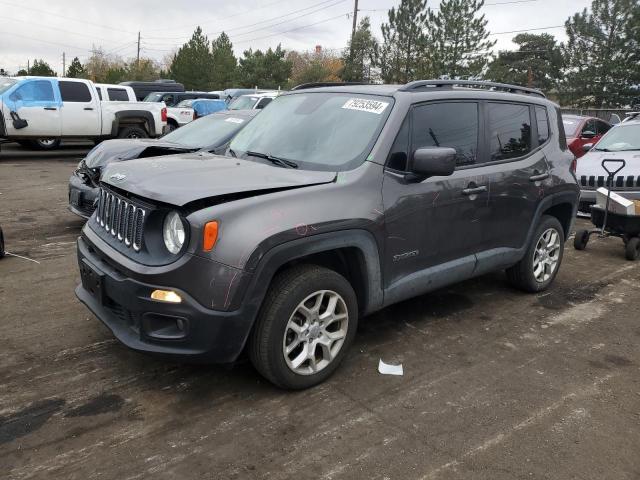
88, 108
539, 176
50, 108
474, 190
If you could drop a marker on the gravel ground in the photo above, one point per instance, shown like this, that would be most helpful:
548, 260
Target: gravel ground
497, 384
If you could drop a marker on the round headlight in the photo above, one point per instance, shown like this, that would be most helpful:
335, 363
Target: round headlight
173, 232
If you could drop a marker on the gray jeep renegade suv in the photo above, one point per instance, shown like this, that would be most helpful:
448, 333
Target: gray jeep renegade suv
333, 203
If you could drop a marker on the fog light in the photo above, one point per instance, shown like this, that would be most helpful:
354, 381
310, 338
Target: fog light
166, 296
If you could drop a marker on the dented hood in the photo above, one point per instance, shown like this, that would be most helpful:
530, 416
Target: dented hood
182, 179
117, 150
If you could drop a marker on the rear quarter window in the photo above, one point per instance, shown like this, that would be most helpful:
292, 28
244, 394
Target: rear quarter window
542, 122
118, 94
509, 130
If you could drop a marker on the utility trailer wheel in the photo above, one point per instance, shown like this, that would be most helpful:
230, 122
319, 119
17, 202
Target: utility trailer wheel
581, 239
632, 250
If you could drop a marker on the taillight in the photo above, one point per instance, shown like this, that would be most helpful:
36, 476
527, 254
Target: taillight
163, 114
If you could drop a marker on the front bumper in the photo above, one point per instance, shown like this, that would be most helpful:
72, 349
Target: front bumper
186, 330
82, 197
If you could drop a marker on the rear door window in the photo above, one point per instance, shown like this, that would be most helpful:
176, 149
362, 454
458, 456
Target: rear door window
447, 124
74, 91
118, 94
509, 130
542, 122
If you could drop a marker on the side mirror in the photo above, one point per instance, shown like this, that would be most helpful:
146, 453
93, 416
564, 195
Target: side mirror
586, 147
588, 134
434, 162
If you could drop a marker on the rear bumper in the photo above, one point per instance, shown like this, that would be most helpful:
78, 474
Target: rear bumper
589, 196
81, 197
185, 330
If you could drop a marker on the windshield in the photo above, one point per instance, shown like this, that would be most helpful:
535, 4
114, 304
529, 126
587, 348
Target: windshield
319, 131
153, 97
6, 83
212, 130
620, 139
570, 126
244, 102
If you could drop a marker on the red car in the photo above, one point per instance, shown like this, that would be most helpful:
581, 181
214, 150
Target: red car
582, 130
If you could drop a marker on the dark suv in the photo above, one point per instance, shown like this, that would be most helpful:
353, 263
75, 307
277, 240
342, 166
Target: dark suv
331, 204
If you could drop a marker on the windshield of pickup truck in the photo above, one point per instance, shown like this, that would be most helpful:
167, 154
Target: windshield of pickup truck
243, 102
622, 138
317, 131
6, 83
153, 97
211, 130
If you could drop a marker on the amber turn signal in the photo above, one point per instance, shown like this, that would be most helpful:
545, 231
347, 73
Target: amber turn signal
210, 236
166, 296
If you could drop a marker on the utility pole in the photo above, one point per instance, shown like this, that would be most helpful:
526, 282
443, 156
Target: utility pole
64, 64
355, 22
138, 57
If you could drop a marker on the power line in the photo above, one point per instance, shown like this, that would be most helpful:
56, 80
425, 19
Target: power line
527, 30
64, 17
324, 2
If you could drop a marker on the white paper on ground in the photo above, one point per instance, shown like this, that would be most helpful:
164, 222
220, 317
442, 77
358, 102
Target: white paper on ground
386, 369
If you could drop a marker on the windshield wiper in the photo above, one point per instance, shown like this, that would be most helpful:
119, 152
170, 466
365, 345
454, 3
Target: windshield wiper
282, 162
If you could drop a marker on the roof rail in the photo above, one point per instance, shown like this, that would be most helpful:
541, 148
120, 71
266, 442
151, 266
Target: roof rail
303, 86
469, 83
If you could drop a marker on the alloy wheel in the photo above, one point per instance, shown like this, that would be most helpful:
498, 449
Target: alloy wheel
315, 332
546, 255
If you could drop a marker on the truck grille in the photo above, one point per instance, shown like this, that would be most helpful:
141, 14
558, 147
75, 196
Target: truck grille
121, 218
619, 182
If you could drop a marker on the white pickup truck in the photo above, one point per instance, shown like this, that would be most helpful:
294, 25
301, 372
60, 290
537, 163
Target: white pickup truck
42, 110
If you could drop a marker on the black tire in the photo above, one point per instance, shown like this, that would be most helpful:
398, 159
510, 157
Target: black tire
581, 239
132, 132
1, 244
45, 143
521, 275
632, 250
288, 289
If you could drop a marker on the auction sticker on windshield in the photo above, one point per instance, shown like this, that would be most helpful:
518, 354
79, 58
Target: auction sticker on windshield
234, 120
365, 105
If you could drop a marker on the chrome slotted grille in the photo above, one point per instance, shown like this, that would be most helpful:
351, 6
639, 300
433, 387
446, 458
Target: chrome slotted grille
121, 218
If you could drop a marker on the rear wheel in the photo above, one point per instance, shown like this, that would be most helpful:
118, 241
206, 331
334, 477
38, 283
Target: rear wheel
541, 262
307, 323
581, 239
632, 250
41, 143
132, 132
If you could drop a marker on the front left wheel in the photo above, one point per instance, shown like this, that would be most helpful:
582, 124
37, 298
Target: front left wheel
541, 262
306, 324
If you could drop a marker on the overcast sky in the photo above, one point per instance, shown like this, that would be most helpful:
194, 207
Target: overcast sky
44, 29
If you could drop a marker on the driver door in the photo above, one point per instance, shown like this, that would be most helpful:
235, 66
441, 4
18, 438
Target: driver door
35, 102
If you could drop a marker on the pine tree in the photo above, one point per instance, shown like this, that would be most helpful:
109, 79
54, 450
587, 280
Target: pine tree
458, 39
268, 69
360, 55
224, 63
602, 55
193, 64
41, 68
536, 63
76, 70
401, 54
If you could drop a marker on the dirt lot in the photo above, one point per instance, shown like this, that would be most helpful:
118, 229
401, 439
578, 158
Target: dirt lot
497, 384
